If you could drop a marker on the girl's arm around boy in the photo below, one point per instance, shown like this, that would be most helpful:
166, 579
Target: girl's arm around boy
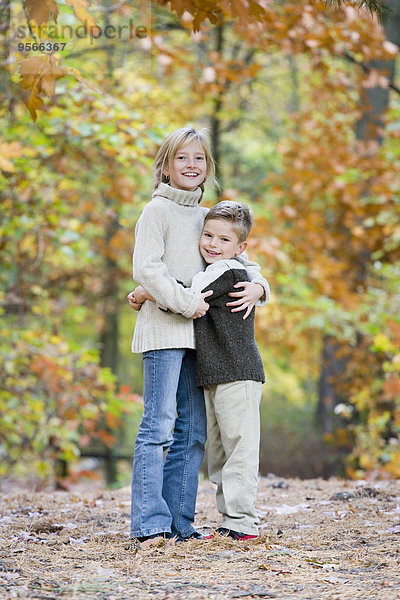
152, 273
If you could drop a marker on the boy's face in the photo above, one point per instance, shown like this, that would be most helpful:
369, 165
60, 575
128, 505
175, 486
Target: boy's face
189, 167
219, 241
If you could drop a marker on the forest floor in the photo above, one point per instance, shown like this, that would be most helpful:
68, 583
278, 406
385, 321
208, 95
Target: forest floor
319, 540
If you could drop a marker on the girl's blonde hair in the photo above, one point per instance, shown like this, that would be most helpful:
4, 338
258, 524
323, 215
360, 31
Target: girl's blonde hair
172, 144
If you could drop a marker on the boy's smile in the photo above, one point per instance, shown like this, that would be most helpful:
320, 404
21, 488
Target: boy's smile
219, 241
188, 169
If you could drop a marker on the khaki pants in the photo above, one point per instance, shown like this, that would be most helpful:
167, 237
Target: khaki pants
233, 443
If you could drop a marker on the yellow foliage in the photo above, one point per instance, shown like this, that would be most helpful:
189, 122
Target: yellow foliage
396, 362
42, 468
8, 151
367, 462
393, 468
362, 399
28, 243
382, 343
37, 290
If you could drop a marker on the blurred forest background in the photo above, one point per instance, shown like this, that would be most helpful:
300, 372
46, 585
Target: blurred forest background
303, 107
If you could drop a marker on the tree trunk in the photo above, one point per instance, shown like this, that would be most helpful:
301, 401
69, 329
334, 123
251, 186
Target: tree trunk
109, 353
332, 365
375, 100
215, 118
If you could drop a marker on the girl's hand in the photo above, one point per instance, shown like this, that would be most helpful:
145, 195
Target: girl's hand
203, 306
133, 302
247, 297
141, 295
137, 297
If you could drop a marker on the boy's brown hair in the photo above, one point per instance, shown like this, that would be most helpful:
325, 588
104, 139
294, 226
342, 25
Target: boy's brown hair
239, 215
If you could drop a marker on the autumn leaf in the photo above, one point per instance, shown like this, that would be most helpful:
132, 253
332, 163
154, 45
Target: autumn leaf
80, 10
41, 11
29, 67
39, 73
198, 20
47, 85
34, 102
239, 9
247, 12
78, 75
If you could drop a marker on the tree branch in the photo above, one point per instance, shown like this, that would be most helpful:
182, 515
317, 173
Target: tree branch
367, 69
377, 7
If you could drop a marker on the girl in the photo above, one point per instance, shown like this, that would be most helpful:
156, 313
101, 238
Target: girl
167, 251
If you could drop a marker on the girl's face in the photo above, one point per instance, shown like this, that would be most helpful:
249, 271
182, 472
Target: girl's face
188, 169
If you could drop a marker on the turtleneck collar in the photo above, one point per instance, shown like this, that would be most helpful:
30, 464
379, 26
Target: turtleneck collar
183, 197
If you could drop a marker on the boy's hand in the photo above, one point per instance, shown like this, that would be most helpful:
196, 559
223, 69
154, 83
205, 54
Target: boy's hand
203, 306
248, 296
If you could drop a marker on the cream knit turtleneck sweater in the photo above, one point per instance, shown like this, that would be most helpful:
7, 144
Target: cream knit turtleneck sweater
166, 250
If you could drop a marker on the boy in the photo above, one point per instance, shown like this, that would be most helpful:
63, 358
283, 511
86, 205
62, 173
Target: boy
230, 368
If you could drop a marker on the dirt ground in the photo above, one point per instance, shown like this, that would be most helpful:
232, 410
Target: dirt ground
320, 540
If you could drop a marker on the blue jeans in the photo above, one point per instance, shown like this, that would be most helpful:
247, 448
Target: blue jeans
174, 419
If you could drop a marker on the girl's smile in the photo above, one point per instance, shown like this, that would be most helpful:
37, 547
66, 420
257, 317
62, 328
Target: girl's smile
188, 169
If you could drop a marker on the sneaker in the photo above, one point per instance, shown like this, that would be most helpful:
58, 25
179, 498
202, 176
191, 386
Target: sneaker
196, 535
163, 535
235, 535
